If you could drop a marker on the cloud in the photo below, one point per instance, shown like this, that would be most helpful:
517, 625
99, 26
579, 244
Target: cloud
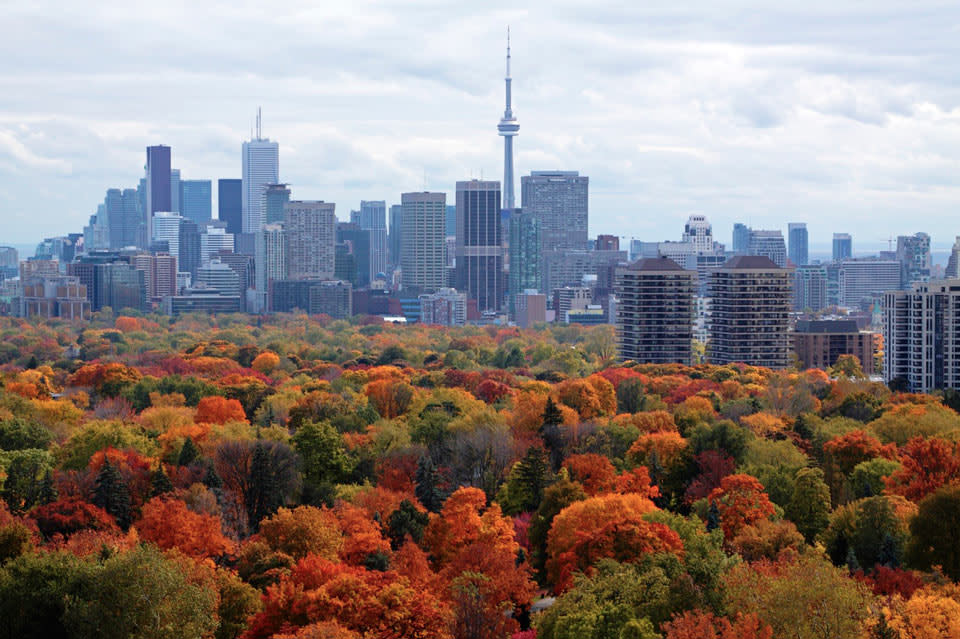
830, 113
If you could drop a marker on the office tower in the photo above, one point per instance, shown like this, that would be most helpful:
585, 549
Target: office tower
271, 258
799, 243
201, 300
189, 248
243, 266
166, 228
261, 166
451, 220
655, 311
842, 246
913, 253
525, 262
123, 217
921, 328
213, 241
175, 190
446, 307
862, 281
508, 129
751, 300
196, 202
479, 245
311, 230
531, 308
220, 277
372, 217
769, 244
52, 296
230, 204
330, 297
357, 244
345, 262
608, 243
157, 188
119, 286
570, 298
393, 239
953, 264
274, 197
819, 343
422, 241
741, 238
159, 274
559, 201
809, 288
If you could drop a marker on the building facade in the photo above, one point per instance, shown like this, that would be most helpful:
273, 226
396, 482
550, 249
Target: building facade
655, 311
769, 244
863, 280
809, 288
525, 262
196, 201
230, 204
446, 307
798, 248
423, 241
842, 246
479, 244
751, 298
558, 199
819, 343
157, 188
311, 232
261, 166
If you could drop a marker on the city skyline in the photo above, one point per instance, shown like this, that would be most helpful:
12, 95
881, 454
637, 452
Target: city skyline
670, 112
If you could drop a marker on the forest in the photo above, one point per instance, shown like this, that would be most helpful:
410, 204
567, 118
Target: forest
299, 477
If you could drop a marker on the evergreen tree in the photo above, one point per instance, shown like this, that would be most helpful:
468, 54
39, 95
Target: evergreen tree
406, 520
852, 564
111, 494
428, 485
264, 498
48, 490
159, 483
532, 476
889, 551
189, 453
713, 517
551, 434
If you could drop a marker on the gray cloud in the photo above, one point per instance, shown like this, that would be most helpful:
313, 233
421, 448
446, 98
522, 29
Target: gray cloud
832, 113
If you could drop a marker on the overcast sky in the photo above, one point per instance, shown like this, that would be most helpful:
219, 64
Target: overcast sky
845, 115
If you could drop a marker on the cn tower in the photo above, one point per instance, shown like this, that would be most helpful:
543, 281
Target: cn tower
508, 128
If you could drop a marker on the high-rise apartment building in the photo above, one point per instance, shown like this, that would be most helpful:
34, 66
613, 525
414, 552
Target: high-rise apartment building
798, 243
921, 336
809, 288
750, 310
358, 244
261, 166
274, 197
423, 241
196, 201
271, 258
953, 263
157, 188
655, 311
311, 230
525, 261
608, 243
768, 244
820, 343
862, 281
230, 204
446, 307
913, 253
558, 199
479, 247
842, 246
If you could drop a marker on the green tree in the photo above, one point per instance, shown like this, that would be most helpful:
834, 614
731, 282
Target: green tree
111, 494
20, 434
630, 395
428, 489
34, 591
406, 520
142, 594
324, 456
551, 434
189, 453
24, 487
159, 482
935, 532
523, 489
809, 506
555, 498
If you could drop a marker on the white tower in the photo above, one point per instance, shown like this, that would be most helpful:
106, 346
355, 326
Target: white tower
508, 128
261, 166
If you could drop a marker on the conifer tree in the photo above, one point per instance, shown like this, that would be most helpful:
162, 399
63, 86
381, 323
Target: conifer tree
111, 494
189, 453
159, 483
428, 485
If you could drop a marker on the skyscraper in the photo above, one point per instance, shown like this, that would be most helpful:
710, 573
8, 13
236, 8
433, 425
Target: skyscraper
373, 218
261, 166
158, 187
423, 241
810, 288
311, 230
271, 258
741, 238
953, 263
769, 244
274, 197
166, 228
913, 253
508, 129
558, 199
189, 254
842, 246
175, 190
655, 311
479, 247
230, 204
396, 226
123, 217
196, 202
798, 243
751, 304
525, 262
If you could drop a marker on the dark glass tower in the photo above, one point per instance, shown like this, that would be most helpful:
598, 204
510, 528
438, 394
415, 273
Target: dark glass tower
230, 204
158, 185
479, 248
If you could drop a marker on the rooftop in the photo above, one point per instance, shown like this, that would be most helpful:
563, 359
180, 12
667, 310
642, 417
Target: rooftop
747, 262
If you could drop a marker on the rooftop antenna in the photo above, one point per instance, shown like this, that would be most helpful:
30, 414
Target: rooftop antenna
259, 124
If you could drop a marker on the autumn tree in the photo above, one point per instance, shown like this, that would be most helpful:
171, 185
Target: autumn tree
219, 410
594, 472
809, 506
302, 531
741, 501
926, 465
699, 624
935, 532
170, 524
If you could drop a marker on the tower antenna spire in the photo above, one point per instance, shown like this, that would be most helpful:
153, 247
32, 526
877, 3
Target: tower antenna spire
508, 128
259, 123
